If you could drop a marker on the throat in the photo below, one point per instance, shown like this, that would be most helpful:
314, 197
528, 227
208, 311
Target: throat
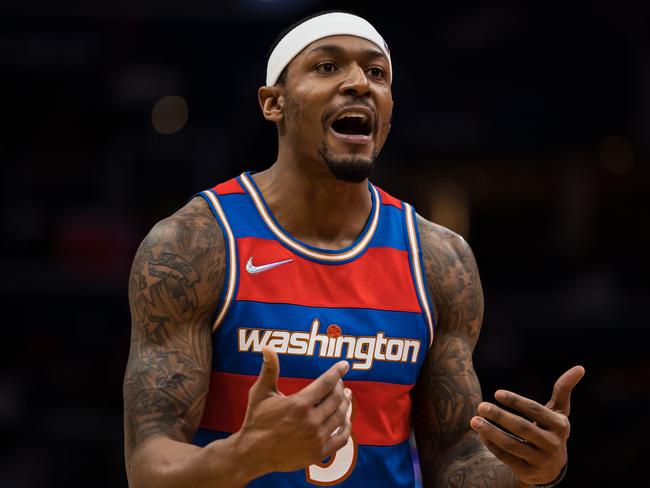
327, 216
333, 234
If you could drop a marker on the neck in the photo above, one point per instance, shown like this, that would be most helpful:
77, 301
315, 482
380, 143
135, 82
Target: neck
312, 205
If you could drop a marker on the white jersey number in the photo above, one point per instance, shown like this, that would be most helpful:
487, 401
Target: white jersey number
338, 467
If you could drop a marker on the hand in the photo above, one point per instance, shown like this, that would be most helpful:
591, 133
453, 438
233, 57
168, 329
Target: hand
538, 452
286, 433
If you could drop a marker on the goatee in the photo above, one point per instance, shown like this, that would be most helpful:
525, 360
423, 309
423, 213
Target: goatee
351, 169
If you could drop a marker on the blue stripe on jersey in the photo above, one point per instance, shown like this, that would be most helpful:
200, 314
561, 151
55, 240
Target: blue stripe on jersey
356, 322
377, 466
247, 222
390, 231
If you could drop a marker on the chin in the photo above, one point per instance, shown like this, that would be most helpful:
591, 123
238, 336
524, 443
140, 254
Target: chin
349, 167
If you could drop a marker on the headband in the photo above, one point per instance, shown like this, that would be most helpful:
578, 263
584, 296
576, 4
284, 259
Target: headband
332, 24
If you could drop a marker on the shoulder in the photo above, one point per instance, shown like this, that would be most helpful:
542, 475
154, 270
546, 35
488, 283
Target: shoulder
190, 226
185, 250
446, 256
452, 278
441, 243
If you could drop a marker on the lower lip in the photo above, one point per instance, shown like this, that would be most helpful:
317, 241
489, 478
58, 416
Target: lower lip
352, 138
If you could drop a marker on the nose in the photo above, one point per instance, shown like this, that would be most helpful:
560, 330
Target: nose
356, 83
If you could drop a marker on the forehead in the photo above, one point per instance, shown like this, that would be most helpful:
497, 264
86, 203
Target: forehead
350, 45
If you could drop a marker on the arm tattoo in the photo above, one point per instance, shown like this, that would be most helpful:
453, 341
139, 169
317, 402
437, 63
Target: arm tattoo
478, 470
447, 393
175, 282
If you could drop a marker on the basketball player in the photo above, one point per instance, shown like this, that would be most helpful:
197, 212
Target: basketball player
252, 302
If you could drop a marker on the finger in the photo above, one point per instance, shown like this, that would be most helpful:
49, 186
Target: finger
545, 417
517, 465
338, 440
561, 397
324, 384
331, 402
505, 441
267, 381
519, 426
339, 415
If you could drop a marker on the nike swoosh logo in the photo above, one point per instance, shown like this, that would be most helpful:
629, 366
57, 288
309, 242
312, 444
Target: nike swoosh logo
251, 268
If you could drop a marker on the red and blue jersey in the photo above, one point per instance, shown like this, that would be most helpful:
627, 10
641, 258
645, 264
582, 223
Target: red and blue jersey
367, 304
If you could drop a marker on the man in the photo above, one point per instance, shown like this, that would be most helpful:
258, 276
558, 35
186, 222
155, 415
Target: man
309, 262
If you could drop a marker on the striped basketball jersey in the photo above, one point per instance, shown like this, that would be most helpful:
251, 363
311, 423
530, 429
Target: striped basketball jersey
367, 304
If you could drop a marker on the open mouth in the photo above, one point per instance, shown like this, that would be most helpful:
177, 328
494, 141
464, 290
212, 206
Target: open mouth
352, 123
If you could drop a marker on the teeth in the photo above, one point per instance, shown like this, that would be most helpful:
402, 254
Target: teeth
352, 114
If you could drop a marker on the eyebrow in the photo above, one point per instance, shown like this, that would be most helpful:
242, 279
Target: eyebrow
335, 49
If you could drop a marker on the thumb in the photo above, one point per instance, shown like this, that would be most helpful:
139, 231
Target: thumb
561, 398
267, 381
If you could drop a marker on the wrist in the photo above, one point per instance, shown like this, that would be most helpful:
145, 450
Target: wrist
249, 464
520, 484
230, 454
557, 480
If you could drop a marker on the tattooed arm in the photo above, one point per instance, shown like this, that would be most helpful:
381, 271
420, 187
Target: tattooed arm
458, 446
448, 392
177, 274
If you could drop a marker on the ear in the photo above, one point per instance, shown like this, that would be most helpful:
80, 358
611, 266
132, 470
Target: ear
271, 102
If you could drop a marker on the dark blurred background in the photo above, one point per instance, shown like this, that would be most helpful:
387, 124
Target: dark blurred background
525, 126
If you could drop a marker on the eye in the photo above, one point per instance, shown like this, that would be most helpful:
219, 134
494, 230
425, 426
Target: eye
326, 67
377, 72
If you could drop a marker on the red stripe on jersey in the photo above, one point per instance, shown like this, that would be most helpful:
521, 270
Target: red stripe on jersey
380, 415
386, 199
228, 187
379, 279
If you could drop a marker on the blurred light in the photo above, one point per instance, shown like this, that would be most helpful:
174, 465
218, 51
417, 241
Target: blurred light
169, 114
450, 207
616, 155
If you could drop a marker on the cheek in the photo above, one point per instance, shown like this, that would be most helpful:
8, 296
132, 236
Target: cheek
292, 112
385, 106
300, 111
312, 98
385, 124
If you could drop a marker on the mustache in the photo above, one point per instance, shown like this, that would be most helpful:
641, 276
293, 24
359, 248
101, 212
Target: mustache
348, 102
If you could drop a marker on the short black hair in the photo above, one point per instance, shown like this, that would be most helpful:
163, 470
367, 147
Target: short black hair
283, 75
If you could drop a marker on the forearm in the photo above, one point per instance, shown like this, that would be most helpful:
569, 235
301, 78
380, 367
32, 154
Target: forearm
468, 463
162, 462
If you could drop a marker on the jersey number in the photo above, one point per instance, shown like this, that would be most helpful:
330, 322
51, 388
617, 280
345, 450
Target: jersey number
338, 467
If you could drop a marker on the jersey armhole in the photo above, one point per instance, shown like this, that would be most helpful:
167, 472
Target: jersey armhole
417, 269
230, 280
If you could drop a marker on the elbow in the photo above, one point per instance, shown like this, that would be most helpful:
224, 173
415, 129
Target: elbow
143, 472
134, 472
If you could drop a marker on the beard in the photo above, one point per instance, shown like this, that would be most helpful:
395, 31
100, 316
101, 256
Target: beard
351, 169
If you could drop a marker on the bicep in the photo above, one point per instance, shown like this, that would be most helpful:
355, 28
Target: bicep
174, 276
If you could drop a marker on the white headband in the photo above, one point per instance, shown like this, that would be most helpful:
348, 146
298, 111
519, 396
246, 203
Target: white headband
333, 24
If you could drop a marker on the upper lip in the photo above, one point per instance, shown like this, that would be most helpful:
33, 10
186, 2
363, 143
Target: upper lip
357, 108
